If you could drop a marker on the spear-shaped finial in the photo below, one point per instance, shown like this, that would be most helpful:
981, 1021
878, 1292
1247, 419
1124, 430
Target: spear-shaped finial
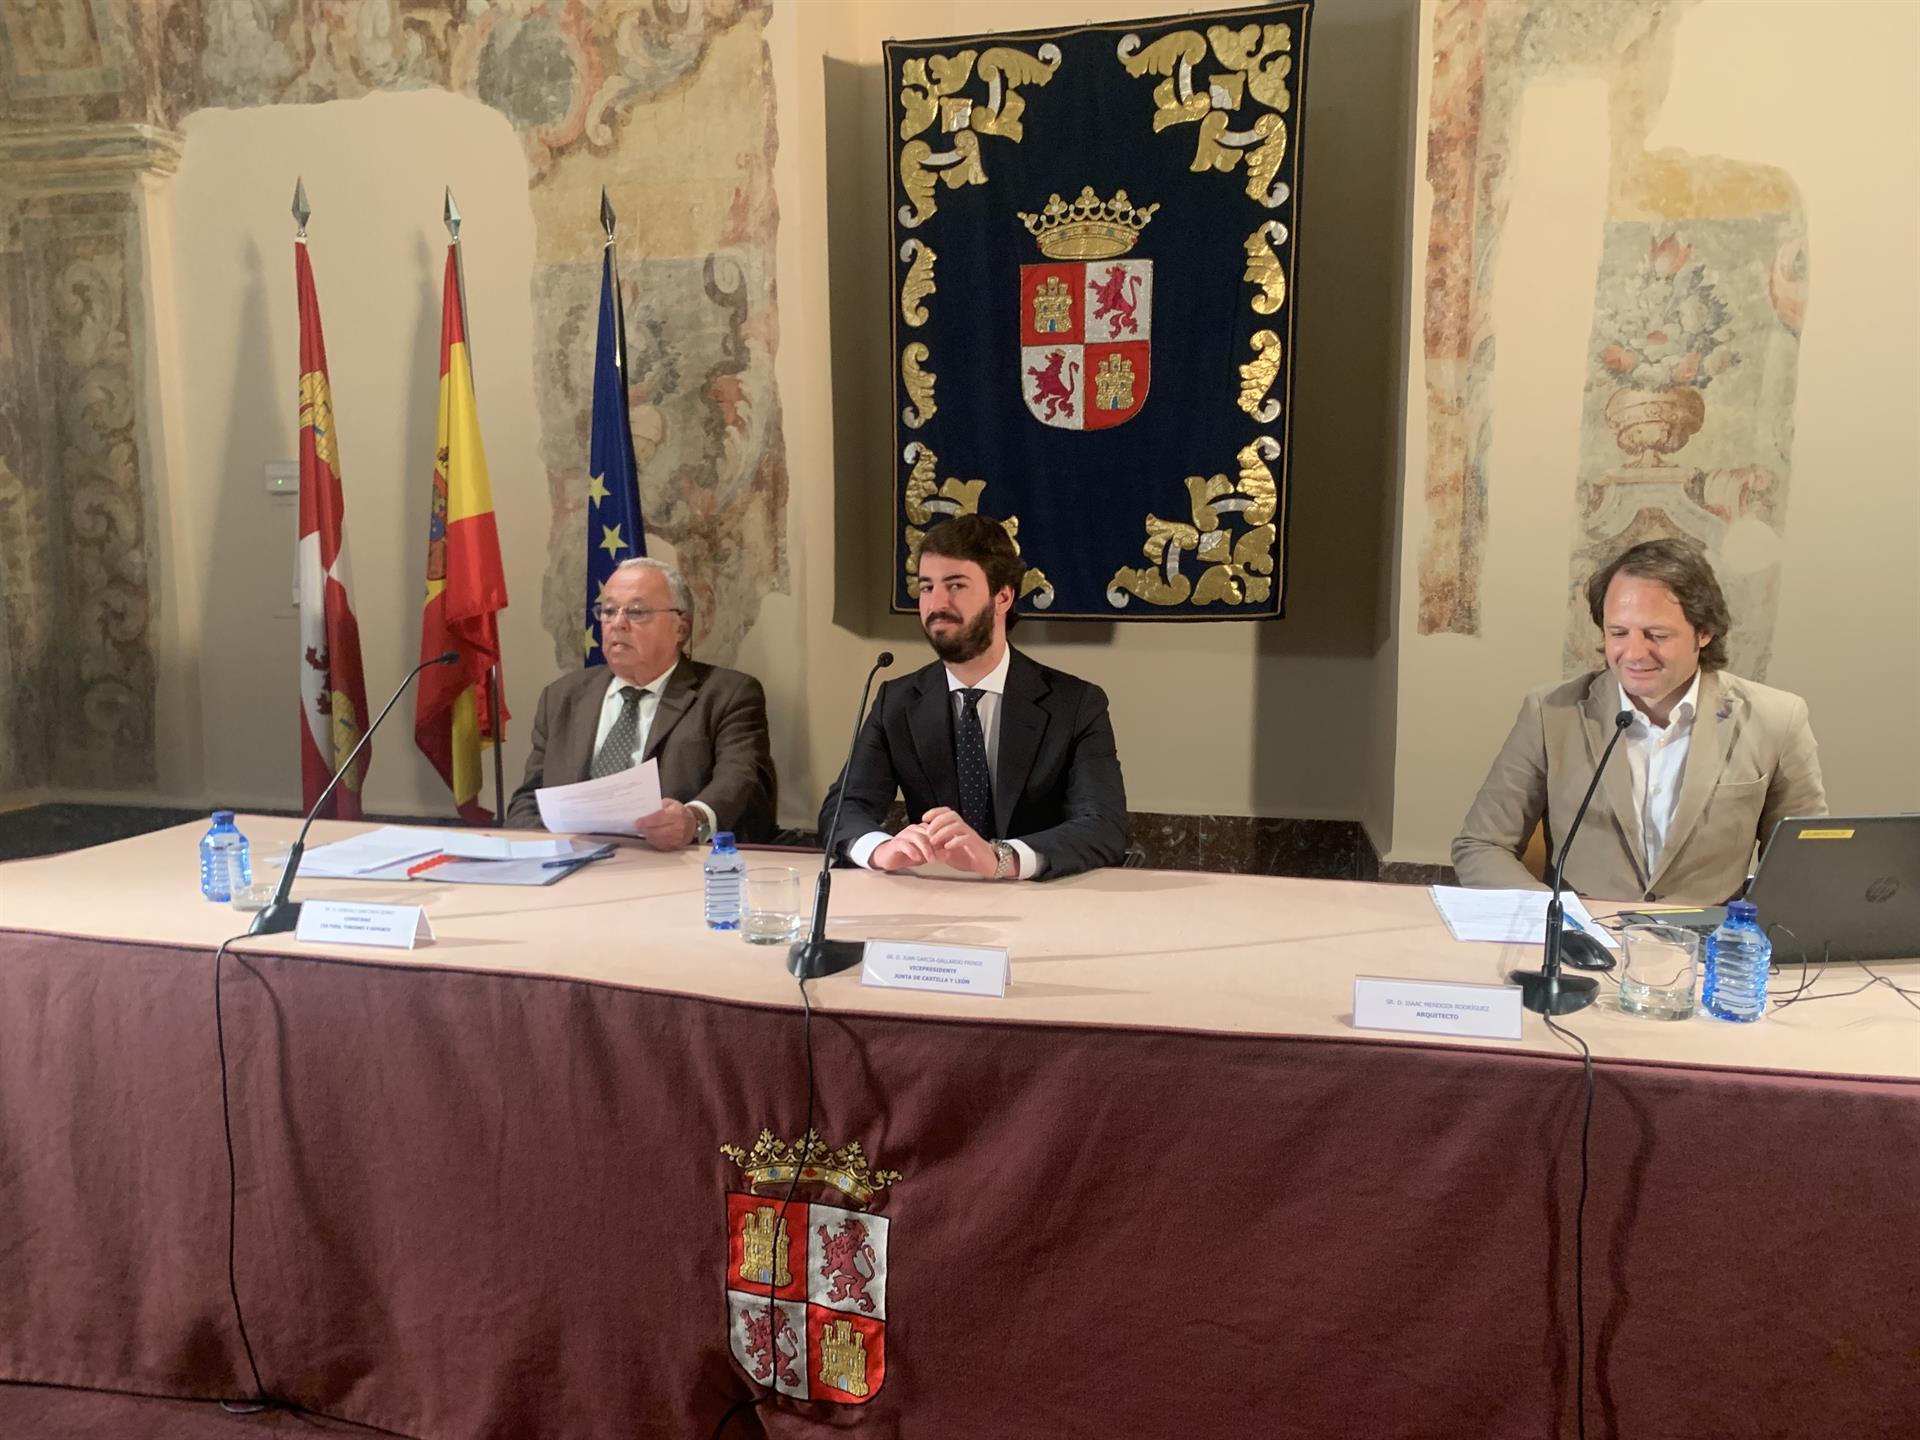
606, 214
301, 210
451, 215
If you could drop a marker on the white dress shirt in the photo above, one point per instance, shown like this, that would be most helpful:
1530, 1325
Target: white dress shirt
650, 694
993, 687
1657, 756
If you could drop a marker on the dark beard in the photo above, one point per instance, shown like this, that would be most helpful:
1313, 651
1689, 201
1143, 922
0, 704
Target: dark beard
969, 642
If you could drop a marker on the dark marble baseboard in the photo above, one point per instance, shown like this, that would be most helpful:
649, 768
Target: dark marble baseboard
1228, 844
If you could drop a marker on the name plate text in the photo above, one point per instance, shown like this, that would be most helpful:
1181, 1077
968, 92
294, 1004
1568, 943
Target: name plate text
950, 969
1432, 1007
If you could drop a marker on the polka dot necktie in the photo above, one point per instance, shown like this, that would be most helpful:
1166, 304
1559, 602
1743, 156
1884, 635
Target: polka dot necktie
970, 754
616, 751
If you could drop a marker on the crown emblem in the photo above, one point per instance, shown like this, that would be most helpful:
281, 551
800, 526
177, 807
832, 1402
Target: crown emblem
1088, 229
773, 1163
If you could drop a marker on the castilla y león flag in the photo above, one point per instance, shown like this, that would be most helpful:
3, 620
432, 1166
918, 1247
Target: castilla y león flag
466, 586
333, 692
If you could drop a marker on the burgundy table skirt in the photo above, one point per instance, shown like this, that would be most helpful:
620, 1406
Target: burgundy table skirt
493, 1205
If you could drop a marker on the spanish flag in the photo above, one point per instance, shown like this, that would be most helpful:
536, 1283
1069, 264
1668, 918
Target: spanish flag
466, 585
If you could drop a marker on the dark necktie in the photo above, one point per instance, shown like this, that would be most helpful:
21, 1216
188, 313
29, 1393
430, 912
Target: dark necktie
970, 755
616, 751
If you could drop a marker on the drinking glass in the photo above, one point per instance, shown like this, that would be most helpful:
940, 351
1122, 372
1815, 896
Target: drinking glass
1659, 971
770, 911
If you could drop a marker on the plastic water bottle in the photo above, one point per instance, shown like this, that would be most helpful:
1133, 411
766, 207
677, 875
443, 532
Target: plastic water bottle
1738, 954
224, 862
724, 869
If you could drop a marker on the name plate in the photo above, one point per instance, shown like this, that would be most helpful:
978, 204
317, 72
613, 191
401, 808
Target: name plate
950, 969
1431, 1007
341, 922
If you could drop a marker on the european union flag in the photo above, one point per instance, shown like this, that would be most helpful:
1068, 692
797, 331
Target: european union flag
614, 529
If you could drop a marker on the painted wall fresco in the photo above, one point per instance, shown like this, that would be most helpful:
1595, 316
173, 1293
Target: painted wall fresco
597, 94
1687, 418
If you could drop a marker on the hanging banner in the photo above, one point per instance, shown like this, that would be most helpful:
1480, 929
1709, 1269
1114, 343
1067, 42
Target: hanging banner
1093, 265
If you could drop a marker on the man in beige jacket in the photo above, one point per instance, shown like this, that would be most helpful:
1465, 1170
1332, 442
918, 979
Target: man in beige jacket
1709, 764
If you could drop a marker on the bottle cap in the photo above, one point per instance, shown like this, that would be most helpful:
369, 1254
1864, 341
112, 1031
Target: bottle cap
723, 840
1742, 910
223, 817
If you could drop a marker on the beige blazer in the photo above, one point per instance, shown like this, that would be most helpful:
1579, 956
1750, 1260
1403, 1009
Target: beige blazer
1751, 761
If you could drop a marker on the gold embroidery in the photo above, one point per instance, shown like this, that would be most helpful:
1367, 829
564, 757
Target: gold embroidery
1113, 384
1258, 63
316, 409
1237, 570
773, 1162
919, 385
1263, 267
928, 504
763, 1248
930, 90
919, 282
843, 1357
1052, 307
1088, 229
1257, 377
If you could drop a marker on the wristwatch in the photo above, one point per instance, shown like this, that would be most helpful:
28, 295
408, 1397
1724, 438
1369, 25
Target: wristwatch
702, 825
1006, 860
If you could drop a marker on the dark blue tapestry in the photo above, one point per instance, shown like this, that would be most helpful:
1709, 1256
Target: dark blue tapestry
1094, 243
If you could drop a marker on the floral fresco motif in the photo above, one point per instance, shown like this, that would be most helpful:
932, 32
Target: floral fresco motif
1687, 425
1687, 418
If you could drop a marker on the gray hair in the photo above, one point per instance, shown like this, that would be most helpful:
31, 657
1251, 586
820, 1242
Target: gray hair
677, 589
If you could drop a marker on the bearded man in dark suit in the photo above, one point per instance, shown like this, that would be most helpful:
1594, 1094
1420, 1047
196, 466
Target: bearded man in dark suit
1008, 767
705, 725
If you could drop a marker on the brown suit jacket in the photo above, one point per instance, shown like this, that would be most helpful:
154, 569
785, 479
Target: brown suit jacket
1751, 761
709, 735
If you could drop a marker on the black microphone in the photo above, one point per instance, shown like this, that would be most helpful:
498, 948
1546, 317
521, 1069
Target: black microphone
1546, 991
816, 955
282, 914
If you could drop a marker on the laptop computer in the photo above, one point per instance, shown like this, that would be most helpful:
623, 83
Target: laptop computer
1846, 887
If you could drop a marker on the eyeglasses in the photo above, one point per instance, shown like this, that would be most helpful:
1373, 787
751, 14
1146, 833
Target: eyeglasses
607, 614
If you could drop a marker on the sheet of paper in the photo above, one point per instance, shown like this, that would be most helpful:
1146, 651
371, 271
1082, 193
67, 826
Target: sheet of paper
602, 807
501, 847
376, 850
1509, 917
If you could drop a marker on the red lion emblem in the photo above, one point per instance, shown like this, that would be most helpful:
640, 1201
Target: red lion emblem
1051, 391
1112, 296
849, 1261
782, 1349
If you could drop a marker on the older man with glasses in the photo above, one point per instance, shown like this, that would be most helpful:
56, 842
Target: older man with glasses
705, 725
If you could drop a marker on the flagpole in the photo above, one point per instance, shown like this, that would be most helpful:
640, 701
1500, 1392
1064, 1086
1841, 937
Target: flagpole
450, 216
619, 305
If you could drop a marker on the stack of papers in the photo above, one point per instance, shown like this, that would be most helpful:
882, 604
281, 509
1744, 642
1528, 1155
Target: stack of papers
1510, 917
395, 852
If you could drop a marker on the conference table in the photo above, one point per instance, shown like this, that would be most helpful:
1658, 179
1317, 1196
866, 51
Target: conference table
1162, 1187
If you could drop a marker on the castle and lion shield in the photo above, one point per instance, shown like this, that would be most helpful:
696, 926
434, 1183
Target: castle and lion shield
806, 1280
1086, 316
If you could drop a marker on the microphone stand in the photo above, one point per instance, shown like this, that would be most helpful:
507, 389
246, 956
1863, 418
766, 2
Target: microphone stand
1546, 991
816, 955
282, 914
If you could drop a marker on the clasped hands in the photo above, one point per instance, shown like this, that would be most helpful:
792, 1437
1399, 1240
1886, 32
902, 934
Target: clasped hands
939, 835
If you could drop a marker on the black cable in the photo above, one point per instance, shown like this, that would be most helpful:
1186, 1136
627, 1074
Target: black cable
772, 1387
233, 1190
1580, 1238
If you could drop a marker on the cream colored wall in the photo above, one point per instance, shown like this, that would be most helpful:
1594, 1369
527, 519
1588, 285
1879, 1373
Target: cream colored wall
377, 247
1283, 718
1825, 89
